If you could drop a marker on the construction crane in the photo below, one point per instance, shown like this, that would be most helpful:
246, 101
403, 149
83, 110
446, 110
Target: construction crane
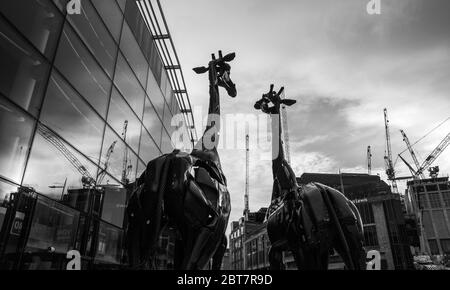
126, 168
413, 171
247, 184
55, 140
369, 160
285, 131
434, 155
102, 173
433, 171
413, 155
390, 172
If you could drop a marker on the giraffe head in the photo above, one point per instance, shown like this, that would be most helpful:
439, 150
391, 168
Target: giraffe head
221, 68
271, 101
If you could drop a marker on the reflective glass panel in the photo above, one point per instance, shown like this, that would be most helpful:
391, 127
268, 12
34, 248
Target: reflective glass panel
54, 166
72, 118
109, 247
79, 67
164, 84
152, 122
15, 136
119, 112
95, 36
155, 95
61, 4
5, 191
133, 54
122, 4
39, 21
111, 15
54, 225
166, 144
174, 104
117, 166
114, 202
128, 85
168, 119
148, 150
23, 72
141, 168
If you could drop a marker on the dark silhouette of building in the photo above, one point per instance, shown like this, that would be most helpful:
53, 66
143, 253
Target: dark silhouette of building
382, 213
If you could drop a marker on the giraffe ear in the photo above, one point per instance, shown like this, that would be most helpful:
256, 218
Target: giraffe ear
229, 57
288, 102
200, 69
280, 91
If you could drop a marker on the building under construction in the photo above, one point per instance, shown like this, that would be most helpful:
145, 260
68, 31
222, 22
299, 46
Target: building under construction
430, 202
86, 101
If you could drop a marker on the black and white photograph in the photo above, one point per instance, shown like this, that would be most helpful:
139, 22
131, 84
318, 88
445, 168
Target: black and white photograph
242, 138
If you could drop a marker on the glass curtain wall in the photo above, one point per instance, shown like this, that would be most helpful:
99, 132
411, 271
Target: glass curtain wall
82, 96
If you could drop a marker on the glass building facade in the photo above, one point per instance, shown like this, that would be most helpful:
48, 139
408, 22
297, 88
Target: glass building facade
85, 103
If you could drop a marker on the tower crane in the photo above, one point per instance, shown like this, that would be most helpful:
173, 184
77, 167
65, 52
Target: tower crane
55, 140
433, 156
247, 187
102, 173
413, 155
369, 160
413, 171
390, 172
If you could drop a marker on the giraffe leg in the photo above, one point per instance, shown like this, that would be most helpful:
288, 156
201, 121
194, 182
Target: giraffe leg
218, 255
354, 242
276, 255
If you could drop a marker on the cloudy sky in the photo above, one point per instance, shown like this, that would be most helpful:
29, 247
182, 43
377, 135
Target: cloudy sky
342, 65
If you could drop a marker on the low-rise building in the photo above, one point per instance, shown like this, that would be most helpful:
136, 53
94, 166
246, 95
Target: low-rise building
240, 231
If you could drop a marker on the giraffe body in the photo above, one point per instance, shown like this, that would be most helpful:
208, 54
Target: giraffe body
187, 191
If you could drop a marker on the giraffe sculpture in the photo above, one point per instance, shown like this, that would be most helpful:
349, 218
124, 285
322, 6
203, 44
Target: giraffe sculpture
308, 220
186, 191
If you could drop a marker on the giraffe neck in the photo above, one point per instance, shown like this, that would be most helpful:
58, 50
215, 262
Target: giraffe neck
277, 140
277, 155
210, 137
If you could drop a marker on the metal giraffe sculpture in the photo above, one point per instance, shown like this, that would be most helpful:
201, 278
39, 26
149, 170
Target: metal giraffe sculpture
309, 220
186, 191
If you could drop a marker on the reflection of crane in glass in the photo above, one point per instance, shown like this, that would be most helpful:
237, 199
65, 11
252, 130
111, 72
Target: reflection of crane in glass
55, 140
126, 168
102, 173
